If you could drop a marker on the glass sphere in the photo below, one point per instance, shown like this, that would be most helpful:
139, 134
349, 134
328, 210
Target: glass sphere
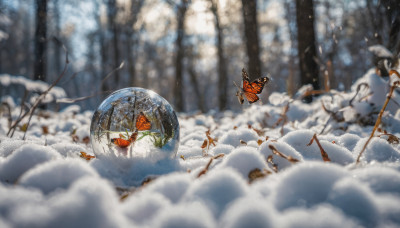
135, 122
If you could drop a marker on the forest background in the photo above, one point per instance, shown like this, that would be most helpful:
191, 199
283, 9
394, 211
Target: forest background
191, 51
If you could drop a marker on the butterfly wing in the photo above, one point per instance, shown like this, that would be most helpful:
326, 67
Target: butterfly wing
258, 85
142, 123
255, 86
251, 97
121, 142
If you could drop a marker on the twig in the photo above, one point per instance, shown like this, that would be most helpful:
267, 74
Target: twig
43, 95
112, 72
357, 91
283, 118
324, 155
73, 100
282, 155
204, 171
378, 120
14, 126
40, 98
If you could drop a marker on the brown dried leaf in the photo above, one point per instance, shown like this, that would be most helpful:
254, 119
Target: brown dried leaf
271, 161
243, 142
86, 140
204, 171
204, 145
280, 154
183, 157
86, 156
259, 132
256, 174
45, 130
324, 155
259, 142
393, 139
147, 180
219, 156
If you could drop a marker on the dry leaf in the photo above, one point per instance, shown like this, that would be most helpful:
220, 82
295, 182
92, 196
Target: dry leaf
243, 142
86, 140
204, 171
45, 130
324, 155
271, 161
147, 180
204, 145
280, 154
259, 142
86, 156
256, 174
392, 139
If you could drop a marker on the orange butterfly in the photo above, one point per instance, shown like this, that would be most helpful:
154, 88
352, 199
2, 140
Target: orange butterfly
142, 124
250, 89
123, 143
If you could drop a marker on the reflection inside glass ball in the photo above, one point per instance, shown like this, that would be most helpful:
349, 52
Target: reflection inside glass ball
135, 122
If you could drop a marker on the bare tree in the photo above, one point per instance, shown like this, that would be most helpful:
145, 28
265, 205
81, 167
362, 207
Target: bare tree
57, 46
40, 40
112, 10
249, 10
291, 19
393, 16
306, 43
193, 76
136, 6
222, 71
181, 9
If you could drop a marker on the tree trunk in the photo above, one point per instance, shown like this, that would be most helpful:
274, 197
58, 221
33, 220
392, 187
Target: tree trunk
136, 6
178, 89
196, 86
222, 72
103, 49
249, 9
113, 28
306, 43
40, 64
57, 46
393, 16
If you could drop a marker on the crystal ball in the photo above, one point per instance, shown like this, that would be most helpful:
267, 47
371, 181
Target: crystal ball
135, 123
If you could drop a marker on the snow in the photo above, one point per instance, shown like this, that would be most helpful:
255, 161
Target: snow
380, 51
45, 183
32, 86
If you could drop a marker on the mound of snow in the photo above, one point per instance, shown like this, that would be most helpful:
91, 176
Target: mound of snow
23, 159
216, 191
306, 185
56, 174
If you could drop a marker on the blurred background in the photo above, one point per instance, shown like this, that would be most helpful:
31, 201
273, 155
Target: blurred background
191, 51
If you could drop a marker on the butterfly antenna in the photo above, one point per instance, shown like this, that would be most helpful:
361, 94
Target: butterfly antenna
236, 85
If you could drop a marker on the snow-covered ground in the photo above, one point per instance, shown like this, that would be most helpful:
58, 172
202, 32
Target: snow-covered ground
239, 182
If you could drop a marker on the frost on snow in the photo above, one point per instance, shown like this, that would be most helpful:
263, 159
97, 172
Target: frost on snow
261, 172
